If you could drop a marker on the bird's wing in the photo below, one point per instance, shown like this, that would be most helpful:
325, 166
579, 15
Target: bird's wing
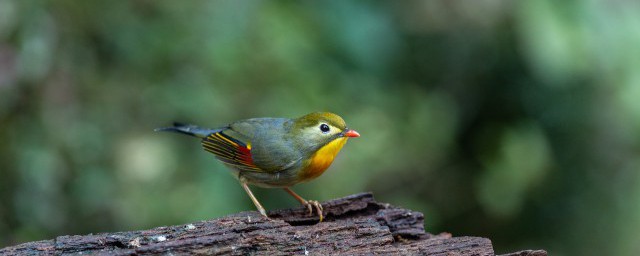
270, 152
230, 150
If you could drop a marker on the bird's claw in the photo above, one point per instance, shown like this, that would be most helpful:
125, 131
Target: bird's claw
310, 204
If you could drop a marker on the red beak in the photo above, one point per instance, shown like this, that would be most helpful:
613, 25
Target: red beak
351, 133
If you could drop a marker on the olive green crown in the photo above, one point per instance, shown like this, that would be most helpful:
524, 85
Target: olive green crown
313, 119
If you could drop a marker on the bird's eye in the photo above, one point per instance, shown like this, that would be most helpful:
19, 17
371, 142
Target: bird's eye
324, 128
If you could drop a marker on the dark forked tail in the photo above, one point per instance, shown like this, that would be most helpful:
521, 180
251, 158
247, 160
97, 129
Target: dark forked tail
188, 129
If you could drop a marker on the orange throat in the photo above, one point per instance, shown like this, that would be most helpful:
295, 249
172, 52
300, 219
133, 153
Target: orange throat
322, 159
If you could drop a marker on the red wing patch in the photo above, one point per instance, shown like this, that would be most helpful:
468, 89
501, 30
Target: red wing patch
230, 151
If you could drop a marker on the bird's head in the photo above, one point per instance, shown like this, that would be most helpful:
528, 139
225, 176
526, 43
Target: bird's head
321, 128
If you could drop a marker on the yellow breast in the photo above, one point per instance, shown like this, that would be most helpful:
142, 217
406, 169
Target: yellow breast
322, 159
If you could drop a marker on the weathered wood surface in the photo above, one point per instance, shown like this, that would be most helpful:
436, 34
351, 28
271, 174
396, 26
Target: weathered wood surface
354, 225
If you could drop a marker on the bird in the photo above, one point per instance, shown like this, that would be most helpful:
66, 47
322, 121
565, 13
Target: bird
275, 152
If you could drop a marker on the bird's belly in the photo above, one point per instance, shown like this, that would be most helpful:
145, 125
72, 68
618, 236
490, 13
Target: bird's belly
305, 171
282, 179
321, 160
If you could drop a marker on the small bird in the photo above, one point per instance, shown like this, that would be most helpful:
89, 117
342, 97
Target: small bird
275, 152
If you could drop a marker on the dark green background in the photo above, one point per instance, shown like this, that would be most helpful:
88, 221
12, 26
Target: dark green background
513, 120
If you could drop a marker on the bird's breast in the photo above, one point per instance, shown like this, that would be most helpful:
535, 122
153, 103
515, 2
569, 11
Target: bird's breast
321, 159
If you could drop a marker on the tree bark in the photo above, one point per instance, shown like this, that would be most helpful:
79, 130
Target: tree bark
354, 225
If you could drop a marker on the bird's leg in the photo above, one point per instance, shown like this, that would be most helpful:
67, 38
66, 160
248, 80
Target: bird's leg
253, 198
309, 204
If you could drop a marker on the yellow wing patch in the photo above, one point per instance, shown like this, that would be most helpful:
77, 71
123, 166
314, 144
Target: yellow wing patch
230, 151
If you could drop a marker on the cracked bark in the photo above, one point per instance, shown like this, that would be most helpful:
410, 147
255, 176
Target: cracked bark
354, 225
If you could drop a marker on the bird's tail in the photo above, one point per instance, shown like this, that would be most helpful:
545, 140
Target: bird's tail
188, 129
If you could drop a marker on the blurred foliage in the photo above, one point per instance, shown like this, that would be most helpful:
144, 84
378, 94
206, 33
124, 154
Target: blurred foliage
513, 120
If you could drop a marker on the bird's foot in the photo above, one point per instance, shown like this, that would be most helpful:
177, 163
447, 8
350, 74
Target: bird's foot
263, 212
310, 204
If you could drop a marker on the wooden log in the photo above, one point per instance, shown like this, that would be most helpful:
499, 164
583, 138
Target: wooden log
354, 225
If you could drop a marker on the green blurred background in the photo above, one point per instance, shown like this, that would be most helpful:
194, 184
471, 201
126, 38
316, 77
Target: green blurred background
513, 120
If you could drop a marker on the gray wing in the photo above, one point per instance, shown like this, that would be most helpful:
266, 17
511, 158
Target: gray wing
271, 150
